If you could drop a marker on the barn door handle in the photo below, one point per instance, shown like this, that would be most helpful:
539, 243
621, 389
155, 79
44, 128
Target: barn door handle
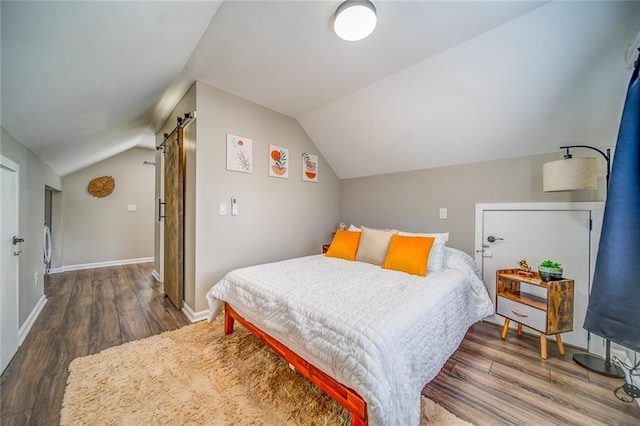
493, 239
160, 204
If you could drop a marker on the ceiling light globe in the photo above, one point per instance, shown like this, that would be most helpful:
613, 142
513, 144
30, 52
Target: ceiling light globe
355, 20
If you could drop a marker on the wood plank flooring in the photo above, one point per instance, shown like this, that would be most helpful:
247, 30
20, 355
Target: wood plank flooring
488, 381
86, 311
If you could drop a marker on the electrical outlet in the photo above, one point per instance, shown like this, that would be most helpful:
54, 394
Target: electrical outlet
35, 281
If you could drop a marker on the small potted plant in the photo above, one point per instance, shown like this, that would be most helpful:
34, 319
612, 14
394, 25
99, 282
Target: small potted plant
550, 270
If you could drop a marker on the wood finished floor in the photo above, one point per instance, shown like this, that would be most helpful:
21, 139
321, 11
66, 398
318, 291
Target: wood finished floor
86, 311
488, 381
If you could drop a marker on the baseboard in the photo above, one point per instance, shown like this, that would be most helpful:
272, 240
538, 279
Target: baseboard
24, 330
156, 275
100, 264
194, 316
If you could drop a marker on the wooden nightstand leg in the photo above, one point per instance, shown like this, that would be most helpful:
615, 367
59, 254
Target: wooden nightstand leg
519, 330
543, 346
505, 328
560, 345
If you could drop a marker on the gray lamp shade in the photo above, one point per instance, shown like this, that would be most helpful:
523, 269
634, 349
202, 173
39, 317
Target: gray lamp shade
571, 174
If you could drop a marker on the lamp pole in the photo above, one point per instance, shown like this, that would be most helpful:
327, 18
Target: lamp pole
589, 361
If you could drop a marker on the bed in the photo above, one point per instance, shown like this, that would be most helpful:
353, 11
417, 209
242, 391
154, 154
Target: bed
379, 333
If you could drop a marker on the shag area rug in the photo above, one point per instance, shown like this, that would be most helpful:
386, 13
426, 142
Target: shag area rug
198, 376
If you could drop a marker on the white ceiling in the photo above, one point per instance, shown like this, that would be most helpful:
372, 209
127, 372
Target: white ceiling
437, 83
82, 81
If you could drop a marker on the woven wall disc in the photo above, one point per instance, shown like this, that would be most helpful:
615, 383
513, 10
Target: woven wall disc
101, 186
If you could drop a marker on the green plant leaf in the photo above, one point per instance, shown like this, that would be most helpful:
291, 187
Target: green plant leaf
551, 264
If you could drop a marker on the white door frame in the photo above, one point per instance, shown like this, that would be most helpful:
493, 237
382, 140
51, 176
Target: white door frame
596, 343
14, 167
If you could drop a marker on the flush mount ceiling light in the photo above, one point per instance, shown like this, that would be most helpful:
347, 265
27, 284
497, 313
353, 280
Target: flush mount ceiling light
355, 20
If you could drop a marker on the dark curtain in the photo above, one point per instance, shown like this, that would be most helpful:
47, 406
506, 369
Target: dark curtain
614, 303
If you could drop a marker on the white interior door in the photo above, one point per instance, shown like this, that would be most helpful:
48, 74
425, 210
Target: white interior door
535, 235
9, 259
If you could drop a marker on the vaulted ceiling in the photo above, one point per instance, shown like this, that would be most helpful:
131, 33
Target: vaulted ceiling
437, 83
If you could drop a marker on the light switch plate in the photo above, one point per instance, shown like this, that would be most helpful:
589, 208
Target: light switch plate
443, 213
222, 209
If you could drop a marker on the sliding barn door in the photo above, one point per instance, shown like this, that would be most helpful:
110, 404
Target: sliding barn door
174, 172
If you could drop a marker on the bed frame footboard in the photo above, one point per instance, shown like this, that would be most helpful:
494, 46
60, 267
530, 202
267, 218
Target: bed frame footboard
344, 396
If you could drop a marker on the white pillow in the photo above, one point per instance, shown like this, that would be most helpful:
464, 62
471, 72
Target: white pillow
436, 256
374, 244
354, 228
460, 261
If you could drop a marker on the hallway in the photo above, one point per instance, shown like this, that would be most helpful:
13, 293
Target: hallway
87, 311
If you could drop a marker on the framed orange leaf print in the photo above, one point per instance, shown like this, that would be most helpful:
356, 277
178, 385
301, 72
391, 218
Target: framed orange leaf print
278, 161
309, 167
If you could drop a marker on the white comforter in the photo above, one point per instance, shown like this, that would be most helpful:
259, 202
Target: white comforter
383, 333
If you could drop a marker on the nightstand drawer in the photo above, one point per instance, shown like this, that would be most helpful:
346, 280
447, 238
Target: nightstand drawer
524, 314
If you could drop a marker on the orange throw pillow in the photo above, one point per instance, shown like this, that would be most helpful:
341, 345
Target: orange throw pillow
344, 245
409, 254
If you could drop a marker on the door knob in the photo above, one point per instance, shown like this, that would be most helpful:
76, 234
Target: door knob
17, 240
493, 239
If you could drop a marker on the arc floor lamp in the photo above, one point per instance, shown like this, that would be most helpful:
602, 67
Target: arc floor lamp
574, 174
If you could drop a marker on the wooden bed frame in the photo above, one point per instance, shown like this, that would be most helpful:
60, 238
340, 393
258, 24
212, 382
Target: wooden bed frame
344, 396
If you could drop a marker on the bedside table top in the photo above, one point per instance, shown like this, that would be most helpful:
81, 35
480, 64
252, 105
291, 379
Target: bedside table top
534, 280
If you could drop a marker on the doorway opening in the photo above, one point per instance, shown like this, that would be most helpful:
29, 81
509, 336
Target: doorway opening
48, 228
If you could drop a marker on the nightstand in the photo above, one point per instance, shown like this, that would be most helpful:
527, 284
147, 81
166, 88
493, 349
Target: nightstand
551, 313
325, 247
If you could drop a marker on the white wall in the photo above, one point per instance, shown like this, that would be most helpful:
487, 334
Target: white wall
554, 76
34, 176
101, 229
278, 218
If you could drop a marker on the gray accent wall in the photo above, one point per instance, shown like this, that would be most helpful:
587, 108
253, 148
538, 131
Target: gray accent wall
411, 201
33, 177
101, 229
277, 218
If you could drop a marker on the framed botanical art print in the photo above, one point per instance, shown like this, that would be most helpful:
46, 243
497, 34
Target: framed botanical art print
239, 154
278, 161
309, 167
